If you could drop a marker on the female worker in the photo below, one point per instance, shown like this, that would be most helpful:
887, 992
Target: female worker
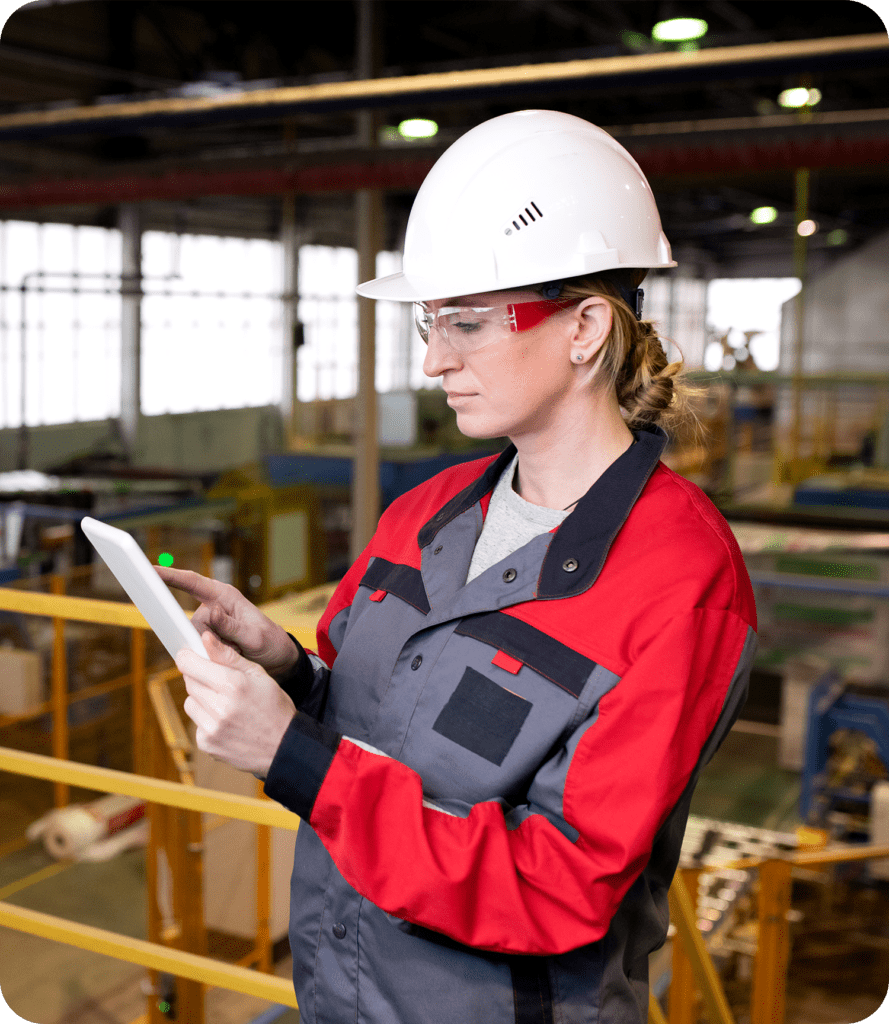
519, 681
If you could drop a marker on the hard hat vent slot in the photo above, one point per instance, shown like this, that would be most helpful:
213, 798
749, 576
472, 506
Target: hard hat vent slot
526, 221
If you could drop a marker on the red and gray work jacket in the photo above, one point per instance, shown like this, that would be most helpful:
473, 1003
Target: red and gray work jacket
496, 775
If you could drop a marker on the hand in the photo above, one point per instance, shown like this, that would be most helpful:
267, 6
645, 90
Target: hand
234, 620
240, 711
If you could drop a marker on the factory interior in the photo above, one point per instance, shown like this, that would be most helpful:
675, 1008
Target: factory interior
189, 194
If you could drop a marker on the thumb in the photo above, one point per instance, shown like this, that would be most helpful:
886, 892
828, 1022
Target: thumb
222, 654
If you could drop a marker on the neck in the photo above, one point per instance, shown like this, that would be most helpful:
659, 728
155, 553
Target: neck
558, 467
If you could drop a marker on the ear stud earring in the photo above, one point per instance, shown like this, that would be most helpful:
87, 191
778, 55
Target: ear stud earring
579, 358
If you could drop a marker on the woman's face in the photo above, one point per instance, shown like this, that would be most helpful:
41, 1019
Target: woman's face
519, 382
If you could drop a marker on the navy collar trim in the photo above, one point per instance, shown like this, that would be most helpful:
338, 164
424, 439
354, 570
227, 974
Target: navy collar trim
471, 494
583, 540
578, 551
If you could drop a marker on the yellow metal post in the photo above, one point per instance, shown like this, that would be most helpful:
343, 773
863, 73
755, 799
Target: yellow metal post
683, 915
59, 700
655, 1013
207, 558
177, 848
263, 891
155, 813
773, 948
684, 998
137, 694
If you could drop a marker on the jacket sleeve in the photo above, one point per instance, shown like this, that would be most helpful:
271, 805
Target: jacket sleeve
307, 682
549, 876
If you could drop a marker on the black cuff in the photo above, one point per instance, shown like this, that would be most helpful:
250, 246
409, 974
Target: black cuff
298, 681
300, 764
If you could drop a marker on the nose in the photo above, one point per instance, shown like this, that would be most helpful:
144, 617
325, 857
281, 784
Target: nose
440, 356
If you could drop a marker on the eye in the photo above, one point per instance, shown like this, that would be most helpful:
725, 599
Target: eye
467, 326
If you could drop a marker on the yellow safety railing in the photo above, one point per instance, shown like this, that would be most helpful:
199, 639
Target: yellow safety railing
693, 969
155, 956
299, 614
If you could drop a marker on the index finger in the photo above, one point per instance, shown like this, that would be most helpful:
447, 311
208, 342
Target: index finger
201, 587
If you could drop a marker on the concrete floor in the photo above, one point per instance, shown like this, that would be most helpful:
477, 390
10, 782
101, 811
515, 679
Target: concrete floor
50, 983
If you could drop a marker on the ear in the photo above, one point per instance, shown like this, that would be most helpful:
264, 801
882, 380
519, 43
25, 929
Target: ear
592, 325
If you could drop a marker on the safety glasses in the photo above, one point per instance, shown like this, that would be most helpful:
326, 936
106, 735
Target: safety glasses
470, 328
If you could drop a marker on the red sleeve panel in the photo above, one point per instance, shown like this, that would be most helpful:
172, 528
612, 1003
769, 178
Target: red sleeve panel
529, 889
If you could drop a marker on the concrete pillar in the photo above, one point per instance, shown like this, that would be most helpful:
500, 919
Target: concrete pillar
368, 215
290, 325
130, 223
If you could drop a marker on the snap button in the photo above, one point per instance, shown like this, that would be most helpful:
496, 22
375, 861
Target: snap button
570, 564
438, 550
417, 662
509, 575
339, 930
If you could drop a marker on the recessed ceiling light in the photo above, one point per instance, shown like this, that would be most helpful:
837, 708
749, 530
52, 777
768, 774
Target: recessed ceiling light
675, 30
800, 97
418, 128
764, 215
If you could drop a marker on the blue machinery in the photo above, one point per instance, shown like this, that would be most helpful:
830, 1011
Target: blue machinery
832, 709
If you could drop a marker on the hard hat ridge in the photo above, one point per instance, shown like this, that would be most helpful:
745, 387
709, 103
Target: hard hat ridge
535, 195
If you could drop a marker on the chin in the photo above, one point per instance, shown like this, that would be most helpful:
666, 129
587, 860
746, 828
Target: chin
480, 431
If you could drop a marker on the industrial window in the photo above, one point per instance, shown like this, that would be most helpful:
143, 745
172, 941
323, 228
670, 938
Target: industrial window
744, 315
212, 326
59, 323
212, 329
327, 364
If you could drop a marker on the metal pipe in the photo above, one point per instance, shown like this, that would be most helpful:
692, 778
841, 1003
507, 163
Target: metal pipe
394, 171
779, 58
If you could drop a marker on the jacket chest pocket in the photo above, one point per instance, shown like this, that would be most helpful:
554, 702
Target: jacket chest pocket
502, 697
483, 717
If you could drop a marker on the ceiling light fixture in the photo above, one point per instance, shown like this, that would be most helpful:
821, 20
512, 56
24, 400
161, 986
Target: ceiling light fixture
418, 128
764, 215
675, 30
800, 97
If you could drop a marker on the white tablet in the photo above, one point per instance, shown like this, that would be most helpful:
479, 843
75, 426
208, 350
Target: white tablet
146, 589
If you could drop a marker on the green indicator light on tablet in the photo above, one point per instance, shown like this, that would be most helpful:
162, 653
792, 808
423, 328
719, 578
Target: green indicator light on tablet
165, 559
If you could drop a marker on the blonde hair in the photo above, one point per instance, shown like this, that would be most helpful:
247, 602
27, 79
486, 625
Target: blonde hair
633, 361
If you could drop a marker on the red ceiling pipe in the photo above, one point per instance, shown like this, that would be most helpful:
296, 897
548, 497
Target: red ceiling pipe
656, 160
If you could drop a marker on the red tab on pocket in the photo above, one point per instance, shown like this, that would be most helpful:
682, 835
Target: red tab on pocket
378, 595
505, 661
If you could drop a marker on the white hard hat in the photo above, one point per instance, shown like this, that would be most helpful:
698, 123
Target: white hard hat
528, 197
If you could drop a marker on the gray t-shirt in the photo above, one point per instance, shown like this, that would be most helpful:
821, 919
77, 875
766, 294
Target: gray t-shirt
510, 523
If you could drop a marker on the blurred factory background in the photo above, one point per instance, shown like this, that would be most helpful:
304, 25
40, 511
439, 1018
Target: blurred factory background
189, 192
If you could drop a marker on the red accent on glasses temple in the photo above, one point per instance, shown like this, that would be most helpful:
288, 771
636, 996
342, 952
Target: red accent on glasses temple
526, 315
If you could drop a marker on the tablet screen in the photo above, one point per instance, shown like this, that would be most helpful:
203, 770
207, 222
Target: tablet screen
145, 588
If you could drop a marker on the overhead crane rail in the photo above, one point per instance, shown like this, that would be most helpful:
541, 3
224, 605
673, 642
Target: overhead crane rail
455, 85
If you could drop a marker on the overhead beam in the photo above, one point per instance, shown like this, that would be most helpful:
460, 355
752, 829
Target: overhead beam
607, 72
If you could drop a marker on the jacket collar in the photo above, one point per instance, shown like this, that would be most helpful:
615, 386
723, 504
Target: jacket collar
583, 540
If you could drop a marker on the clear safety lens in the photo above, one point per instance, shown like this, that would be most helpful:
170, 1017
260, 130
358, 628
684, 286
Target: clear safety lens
470, 328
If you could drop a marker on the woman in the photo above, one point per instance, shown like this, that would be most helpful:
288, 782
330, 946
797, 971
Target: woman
519, 681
